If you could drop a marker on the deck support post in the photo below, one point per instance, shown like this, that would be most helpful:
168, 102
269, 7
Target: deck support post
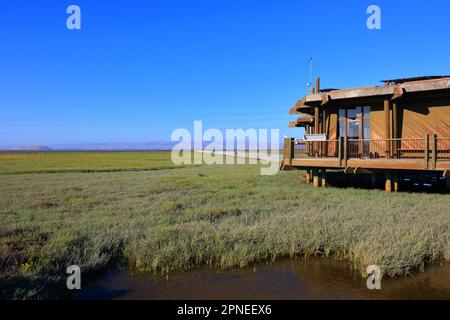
388, 185
396, 182
288, 152
308, 176
316, 181
447, 182
323, 174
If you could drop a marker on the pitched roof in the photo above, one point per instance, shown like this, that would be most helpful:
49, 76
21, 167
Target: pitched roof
394, 91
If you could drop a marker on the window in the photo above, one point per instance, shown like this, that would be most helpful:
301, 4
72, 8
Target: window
354, 123
342, 122
366, 120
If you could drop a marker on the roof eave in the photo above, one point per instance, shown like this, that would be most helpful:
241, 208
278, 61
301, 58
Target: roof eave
393, 92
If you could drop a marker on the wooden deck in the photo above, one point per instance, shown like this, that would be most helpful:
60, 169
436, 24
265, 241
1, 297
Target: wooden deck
428, 154
378, 164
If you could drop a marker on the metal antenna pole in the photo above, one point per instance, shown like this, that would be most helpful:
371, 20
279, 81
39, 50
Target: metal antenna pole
310, 60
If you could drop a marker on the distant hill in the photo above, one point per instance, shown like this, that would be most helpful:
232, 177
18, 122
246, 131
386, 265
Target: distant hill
94, 147
115, 146
105, 146
30, 148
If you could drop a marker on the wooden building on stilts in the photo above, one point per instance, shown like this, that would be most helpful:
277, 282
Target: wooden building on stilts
401, 127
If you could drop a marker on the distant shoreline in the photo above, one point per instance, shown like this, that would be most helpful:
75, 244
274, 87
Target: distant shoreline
81, 151
106, 151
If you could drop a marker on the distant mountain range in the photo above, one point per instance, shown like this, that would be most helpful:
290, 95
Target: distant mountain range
156, 145
95, 147
28, 148
159, 145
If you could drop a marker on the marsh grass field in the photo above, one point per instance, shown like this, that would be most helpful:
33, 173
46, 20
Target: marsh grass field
60, 209
59, 162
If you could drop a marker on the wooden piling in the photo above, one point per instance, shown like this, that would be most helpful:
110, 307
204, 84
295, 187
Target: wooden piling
316, 181
388, 185
324, 178
396, 182
308, 177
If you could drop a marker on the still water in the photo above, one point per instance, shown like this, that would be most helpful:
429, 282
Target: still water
286, 279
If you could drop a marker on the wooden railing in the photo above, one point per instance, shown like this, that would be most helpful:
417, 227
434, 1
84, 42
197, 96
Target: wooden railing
443, 149
387, 148
318, 149
430, 149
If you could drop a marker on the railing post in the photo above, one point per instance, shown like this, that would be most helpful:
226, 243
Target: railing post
316, 145
307, 148
340, 151
345, 156
426, 150
388, 148
387, 130
292, 149
394, 148
433, 151
288, 150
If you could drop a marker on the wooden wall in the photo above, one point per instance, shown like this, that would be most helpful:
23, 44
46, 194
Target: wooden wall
424, 118
377, 122
415, 119
332, 131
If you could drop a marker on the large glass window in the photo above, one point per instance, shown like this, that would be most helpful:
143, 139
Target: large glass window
366, 120
342, 123
354, 123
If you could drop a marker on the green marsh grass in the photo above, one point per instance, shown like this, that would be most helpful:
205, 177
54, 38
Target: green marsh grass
221, 216
60, 162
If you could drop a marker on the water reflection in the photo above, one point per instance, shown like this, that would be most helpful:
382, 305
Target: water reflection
287, 279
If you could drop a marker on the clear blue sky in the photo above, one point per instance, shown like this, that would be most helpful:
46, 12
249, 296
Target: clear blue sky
139, 69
